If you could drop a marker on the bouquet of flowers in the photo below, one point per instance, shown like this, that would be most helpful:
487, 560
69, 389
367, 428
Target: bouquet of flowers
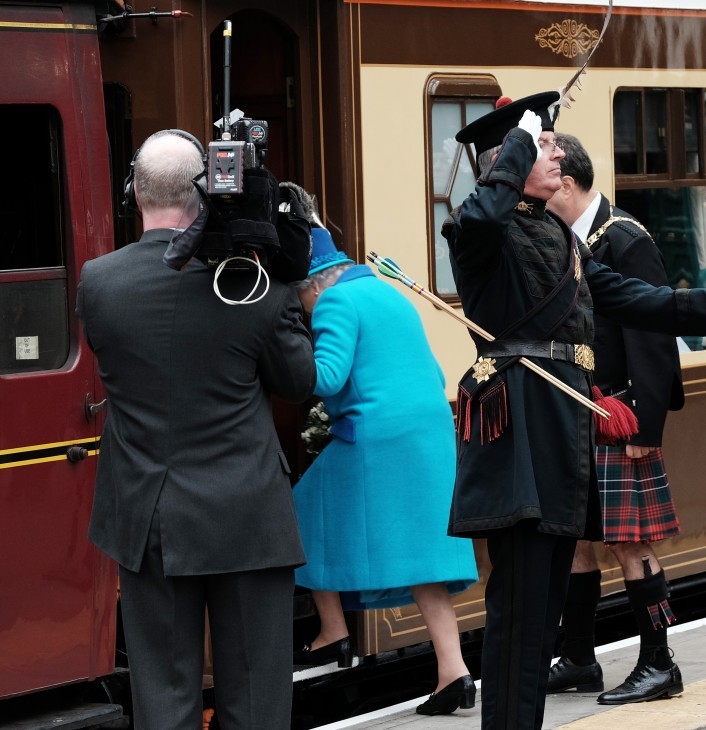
316, 429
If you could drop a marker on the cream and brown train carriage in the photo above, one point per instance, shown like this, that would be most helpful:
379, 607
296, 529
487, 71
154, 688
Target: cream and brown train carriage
363, 99
426, 69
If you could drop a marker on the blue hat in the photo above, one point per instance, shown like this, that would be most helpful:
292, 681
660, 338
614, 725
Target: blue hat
324, 252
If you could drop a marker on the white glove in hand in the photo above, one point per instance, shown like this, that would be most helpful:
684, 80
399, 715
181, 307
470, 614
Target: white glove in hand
532, 123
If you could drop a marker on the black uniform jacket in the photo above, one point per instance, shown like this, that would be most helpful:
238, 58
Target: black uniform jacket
189, 423
646, 363
505, 261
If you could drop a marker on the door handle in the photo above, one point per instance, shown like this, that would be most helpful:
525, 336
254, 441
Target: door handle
76, 453
91, 409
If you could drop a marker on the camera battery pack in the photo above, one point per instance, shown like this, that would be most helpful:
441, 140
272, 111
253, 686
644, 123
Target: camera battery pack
225, 167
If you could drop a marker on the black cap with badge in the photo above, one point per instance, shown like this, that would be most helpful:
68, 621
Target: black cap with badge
489, 130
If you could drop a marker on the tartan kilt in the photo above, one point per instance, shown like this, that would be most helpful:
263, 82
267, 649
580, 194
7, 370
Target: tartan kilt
636, 502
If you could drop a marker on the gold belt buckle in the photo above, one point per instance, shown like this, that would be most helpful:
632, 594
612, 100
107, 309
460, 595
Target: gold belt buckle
583, 356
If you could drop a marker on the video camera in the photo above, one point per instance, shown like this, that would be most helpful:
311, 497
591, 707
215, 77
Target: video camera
244, 213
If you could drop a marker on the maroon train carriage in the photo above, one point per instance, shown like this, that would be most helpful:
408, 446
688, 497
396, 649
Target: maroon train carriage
57, 592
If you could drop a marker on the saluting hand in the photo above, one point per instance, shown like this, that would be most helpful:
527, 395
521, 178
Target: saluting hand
532, 123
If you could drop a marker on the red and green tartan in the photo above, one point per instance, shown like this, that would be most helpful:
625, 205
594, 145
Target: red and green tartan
636, 502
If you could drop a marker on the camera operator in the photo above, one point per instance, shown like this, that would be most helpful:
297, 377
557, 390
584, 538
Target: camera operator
192, 495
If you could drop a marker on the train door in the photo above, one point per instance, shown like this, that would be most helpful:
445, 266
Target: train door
57, 592
265, 84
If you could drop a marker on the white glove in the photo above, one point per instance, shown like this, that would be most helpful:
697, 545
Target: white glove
532, 123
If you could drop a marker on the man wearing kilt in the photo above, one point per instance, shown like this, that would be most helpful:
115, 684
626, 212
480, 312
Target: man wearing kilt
643, 370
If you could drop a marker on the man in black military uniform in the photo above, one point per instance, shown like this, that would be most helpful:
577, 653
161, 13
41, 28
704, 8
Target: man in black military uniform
643, 369
526, 474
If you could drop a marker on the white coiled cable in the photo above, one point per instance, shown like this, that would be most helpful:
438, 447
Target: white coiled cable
260, 273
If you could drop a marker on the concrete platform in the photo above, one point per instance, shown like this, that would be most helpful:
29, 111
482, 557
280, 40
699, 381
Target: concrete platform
574, 711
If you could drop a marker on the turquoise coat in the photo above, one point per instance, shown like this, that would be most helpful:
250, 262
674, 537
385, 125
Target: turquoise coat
373, 508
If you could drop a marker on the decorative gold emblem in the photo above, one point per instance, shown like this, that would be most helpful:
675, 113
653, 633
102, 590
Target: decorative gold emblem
568, 38
583, 356
524, 207
483, 369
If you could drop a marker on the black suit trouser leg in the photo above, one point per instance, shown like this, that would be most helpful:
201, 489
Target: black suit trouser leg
250, 614
251, 630
524, 599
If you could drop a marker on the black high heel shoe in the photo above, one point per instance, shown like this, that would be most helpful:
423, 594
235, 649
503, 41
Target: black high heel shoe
340, 651
460, 693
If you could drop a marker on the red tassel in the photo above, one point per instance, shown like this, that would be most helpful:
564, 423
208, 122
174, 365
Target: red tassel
493, 412
620, 427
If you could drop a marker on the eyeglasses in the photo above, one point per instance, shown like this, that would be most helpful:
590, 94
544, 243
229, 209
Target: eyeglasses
546, 146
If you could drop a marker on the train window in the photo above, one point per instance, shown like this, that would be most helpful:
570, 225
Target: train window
656, 132
640, 132
627, 133
692, 131
34, 333
452, 102
659, 176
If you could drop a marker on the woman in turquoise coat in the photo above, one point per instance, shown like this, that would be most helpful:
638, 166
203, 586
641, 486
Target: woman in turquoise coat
373, 507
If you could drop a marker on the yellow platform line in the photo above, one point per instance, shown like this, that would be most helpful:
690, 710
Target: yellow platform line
683, 712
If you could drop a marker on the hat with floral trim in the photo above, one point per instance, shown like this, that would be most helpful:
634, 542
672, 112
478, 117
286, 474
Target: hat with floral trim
324, 253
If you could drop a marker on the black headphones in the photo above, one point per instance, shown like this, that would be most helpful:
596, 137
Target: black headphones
129, 200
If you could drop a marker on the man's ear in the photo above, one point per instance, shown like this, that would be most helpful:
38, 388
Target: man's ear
568, 184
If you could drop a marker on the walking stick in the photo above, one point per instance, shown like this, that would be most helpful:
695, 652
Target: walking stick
389, 268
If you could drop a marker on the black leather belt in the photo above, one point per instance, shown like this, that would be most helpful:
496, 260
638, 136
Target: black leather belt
581, 355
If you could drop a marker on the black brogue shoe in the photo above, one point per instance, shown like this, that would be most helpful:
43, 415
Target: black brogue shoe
565, 676
645, 683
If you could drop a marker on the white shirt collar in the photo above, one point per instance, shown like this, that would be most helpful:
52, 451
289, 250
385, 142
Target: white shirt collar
582, 225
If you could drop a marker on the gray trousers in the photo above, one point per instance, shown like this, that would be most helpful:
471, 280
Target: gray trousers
250, 615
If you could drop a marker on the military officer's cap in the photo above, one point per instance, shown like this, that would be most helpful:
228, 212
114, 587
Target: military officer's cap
489, 131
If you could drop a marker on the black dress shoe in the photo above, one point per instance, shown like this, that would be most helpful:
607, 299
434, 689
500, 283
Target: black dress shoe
460, 693
645, 683
565, 675
340, 651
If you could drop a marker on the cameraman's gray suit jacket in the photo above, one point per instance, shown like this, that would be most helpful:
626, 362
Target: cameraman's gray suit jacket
189, 422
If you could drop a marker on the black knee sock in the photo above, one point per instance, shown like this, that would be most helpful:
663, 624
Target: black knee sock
648, 600
579, 617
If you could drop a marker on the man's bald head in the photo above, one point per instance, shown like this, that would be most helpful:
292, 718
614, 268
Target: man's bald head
165, 166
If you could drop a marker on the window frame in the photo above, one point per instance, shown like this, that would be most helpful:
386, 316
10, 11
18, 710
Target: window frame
53, 261
676, 174
457, 89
